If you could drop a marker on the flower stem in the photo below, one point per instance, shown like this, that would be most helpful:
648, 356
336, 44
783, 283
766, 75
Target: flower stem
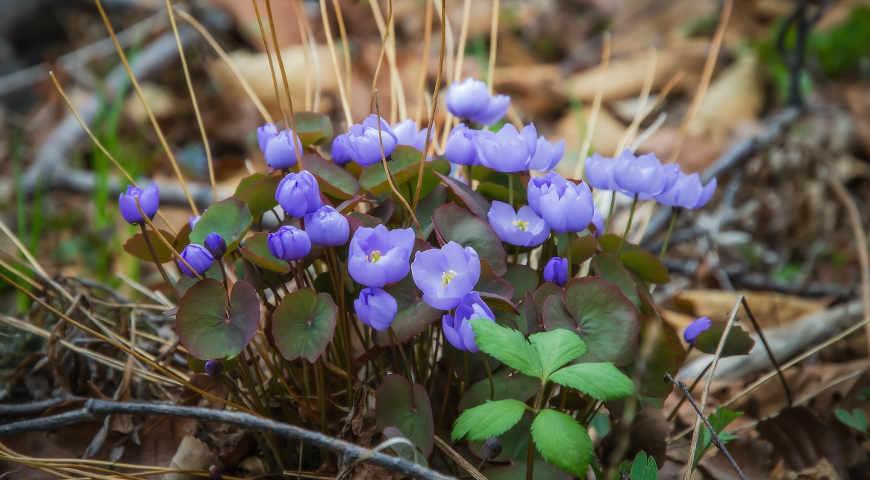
610, 211
668, 234
157, 262
510, 189
530, 451
491, 382
628, 225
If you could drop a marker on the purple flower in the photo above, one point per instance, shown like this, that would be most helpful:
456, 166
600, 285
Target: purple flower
266, 132
696, 328
364, 140
376, 308
149, 200
213, 368
643, 176
460, 148
408, 134
298, 193
457, 325
565, 206
326, 226
471, 99
506, 151
556, 271
341, 152
280, 150
545, 155
198, 257
523, 228
289, 243
215, 244
378, 256
599, 172
688, 192
539, 185
446, 274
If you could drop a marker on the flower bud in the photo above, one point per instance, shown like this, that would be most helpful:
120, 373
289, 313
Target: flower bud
148, 198
326, 226
198, 257
213, 368
696, 328
289, 243
281, 151
298, 194
266, 132
556, 271
215, 244
376, 308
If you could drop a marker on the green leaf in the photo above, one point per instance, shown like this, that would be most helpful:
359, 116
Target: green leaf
488, 420
562, 441
455, 223
303, 324
473, 201
211, 329
230, 218
312, 128
331, 178
556, 348
719, 419
137, 247
504, 385
517, 471
644, 467
667, 356
855, 419
257, 191
491, 283
507, 345
605, 319
256, 250
738, 342
601, 381
413, 314
646, 265
426, 208
523, 278
404, 165
399, 404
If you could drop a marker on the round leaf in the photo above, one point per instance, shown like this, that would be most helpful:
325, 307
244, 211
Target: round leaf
738, 342
137, 246
523, 279
332, 179
404, 165
256, 250
473, 201
210, 328
303, 324
399, 404
455, 223
257, 191
312, 127
230, 218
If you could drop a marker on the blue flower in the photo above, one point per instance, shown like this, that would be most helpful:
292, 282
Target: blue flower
326, 226
341, 152
599, 172
281, 151
378, 256
149, 200
198, 257
556, 271
457, 325
376, 308
471, 99
461, 148
364, 140
565, 206
298, 193
265, 133
696, 328
539, 185
408, 134
289, 243
688, 192
446, 275
215, 244
511, 151
523, 229
643, 176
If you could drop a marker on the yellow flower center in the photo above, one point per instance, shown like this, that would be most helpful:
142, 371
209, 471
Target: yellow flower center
374, 256
521, 224
447, 277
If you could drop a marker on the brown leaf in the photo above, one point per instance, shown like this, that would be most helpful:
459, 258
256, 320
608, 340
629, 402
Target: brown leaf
192, 454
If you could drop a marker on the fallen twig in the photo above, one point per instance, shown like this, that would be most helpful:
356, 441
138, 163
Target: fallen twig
95, 408
713, 434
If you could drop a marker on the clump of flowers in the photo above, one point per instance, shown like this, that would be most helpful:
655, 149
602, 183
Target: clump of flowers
383, 260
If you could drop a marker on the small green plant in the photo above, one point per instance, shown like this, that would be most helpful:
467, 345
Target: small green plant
560, 438
856, 420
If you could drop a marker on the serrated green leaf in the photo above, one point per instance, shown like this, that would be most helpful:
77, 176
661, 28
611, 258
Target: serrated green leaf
644, 467
719, 419
488, 420
507, 345
601, 381
562, 441
556, 348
